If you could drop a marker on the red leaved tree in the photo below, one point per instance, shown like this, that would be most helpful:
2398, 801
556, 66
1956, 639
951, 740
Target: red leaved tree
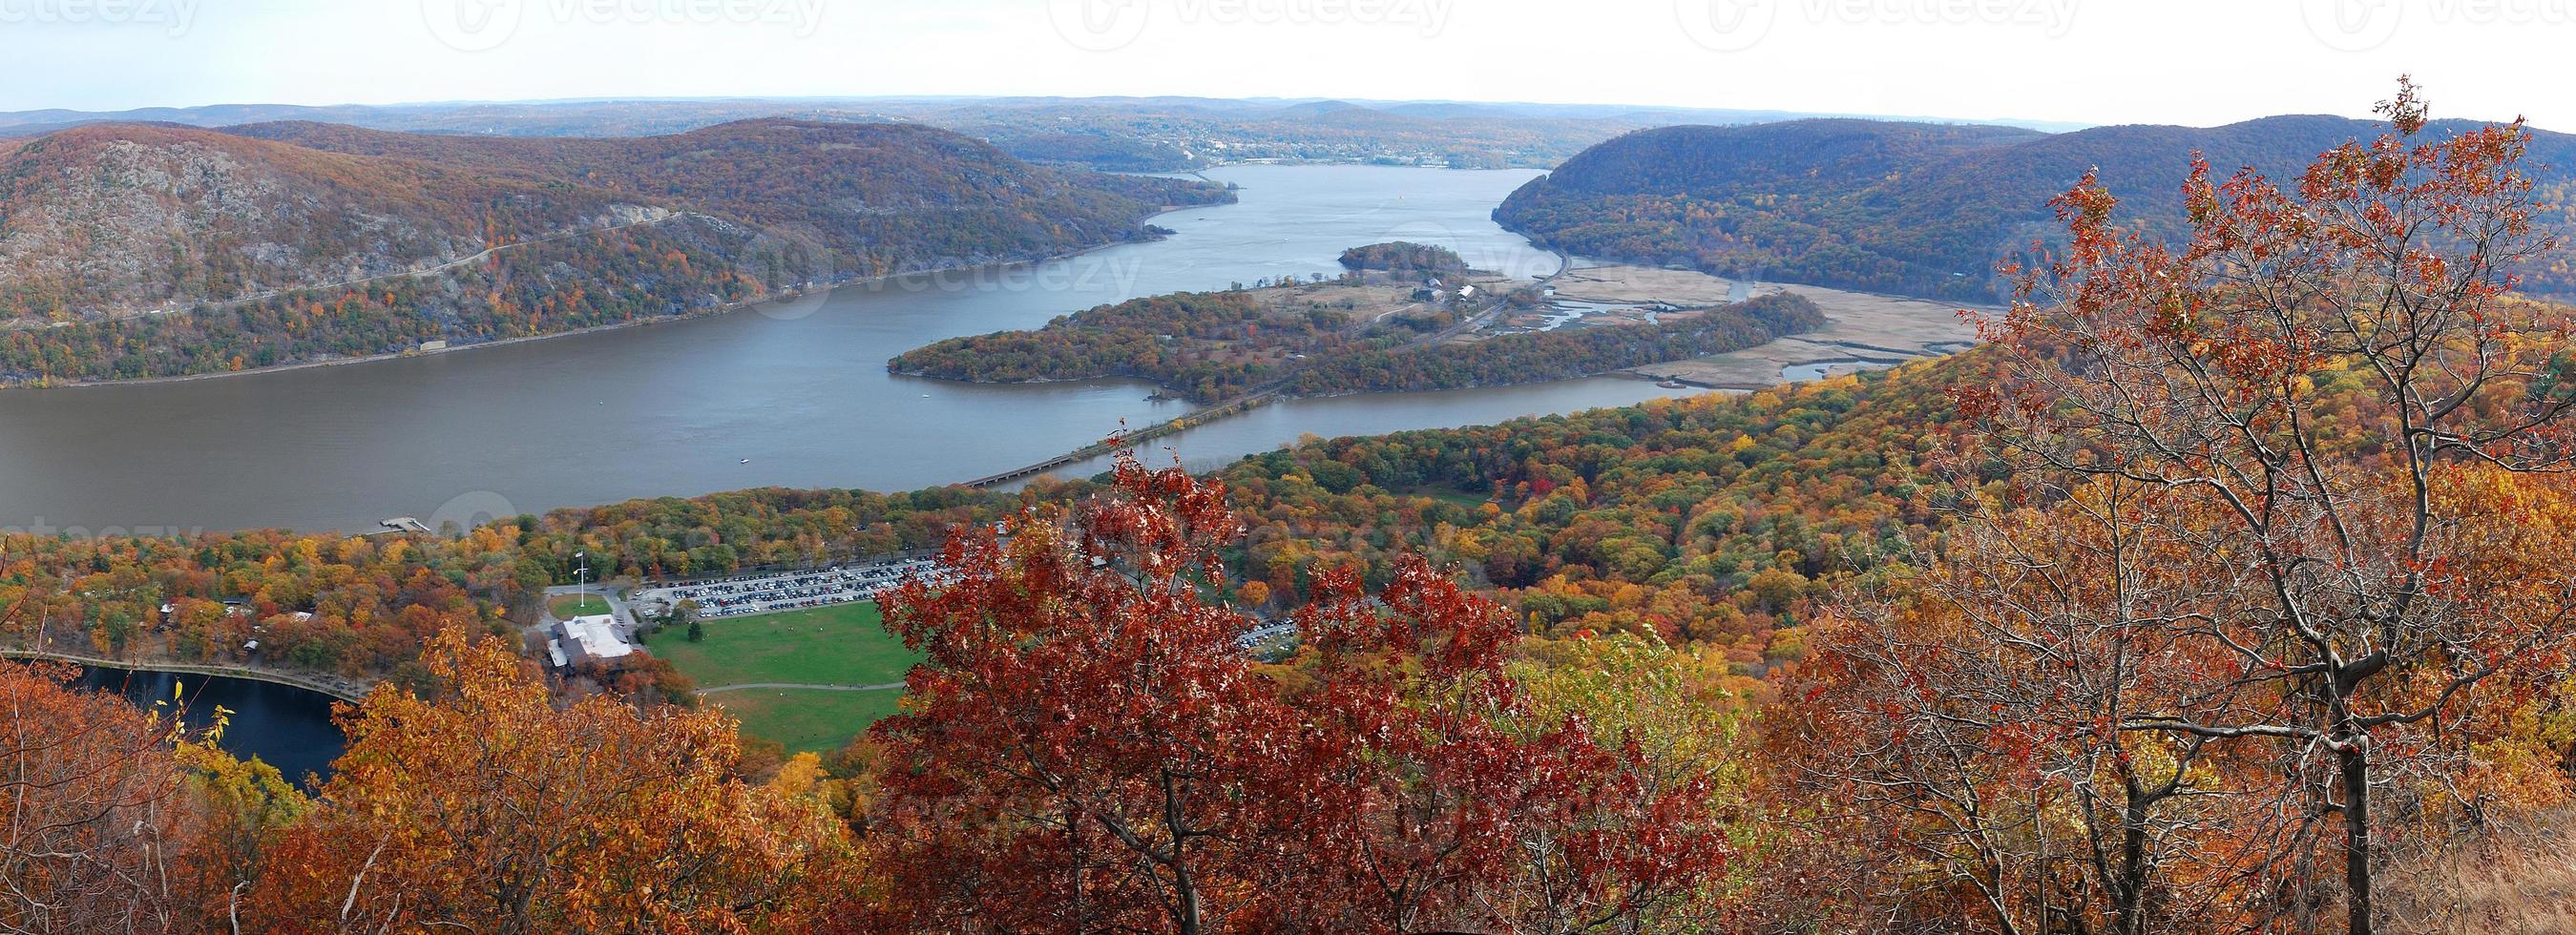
1088, 747
1072, 754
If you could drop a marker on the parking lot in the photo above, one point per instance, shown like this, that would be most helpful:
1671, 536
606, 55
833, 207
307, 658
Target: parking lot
742, 595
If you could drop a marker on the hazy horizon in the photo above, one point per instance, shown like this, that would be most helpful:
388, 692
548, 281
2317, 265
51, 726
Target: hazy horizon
2195, 62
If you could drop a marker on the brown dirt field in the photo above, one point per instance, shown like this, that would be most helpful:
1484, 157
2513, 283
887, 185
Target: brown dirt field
1642, 284
1862, 330
1304, 297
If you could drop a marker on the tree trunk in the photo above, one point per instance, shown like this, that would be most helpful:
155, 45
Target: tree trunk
2129, 892
2354, 763
1189, 908
1185, 890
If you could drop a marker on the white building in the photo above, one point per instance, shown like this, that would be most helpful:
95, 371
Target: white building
593, 637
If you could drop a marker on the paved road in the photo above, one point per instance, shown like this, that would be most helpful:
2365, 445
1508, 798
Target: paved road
889, 686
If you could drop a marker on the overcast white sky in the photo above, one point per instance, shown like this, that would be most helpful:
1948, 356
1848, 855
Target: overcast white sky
2091, 61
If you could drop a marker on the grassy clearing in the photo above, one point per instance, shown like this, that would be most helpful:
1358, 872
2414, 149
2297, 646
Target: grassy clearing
843, 645
807, 719
1454, 497
568, 606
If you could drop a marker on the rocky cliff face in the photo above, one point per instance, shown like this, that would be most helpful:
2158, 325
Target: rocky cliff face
110, 221
115, 220
132, 250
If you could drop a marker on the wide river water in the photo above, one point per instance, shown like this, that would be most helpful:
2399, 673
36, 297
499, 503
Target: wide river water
799, 389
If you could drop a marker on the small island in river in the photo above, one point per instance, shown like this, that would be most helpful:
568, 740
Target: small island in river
1404, 317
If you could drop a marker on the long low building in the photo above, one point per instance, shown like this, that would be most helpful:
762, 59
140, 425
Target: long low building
583, 639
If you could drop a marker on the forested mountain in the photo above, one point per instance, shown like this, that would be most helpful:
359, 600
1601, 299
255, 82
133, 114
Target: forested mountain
147, 250
1101, 151
107, 220
1113, 133
890, 197
1907, 208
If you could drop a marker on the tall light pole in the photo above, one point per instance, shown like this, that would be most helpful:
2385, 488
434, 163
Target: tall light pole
580, 574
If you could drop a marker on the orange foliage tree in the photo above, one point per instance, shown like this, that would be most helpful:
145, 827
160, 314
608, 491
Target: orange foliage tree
1977, 722
2338, 440
484, 807
96, 826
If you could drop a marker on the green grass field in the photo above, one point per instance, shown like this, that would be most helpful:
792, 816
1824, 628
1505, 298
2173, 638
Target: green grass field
843, 645
568, 606
807, 719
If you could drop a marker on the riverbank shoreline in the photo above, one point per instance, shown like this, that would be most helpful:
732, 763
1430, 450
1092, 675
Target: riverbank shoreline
788, 400
340, 689
710, 312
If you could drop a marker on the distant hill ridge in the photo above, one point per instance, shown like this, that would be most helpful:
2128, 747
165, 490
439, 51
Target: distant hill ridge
289, 242
1907, 208
894, 197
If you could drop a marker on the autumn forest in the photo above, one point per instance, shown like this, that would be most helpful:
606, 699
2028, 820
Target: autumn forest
2221, 588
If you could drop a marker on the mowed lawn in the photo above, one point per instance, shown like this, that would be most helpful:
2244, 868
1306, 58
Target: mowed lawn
803, 719
568, 606
843, 645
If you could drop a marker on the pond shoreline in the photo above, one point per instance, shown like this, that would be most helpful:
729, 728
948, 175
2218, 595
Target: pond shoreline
341, 689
